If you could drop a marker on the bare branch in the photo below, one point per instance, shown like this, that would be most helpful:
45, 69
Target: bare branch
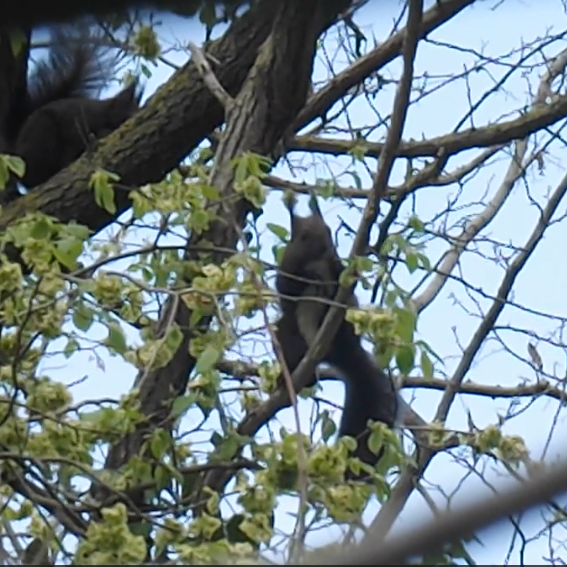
538, 118
322, 101
209, 78
516, 170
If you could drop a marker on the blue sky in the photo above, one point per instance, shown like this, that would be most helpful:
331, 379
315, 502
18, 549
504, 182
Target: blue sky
447, 324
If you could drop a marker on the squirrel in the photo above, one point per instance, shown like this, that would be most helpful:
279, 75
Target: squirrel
292, 344
310, 240
59, 116
370, 394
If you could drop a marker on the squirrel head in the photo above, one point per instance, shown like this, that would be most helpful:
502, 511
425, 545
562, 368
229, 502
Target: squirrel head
311, 233
124, 104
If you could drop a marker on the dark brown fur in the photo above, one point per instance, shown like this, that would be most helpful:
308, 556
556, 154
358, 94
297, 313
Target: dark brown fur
57, 134
60, 115
369, 392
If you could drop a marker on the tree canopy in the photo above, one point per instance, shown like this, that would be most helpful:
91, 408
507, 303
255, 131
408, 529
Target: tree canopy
141, 416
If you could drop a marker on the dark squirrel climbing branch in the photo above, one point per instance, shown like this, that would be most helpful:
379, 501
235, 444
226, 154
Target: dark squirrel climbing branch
308, 278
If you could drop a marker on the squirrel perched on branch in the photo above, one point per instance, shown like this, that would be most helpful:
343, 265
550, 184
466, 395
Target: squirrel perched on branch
311, 267
59, 116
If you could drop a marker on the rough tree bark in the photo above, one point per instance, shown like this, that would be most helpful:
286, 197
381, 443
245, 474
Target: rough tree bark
172, 123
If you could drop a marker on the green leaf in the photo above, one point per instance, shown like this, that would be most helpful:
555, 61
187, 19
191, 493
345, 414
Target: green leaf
4, 174
406, 323
71, 246
200, 220
405, 358
158, 446
376, 440
391, 298
358, 151
16, 165
412, 262
424, 262
107, 198
415, 223
78, 231
173, 338
278, 251
181, 404
139, 205
328, 426
116, 339
41, 229
234, 534
70, 348
325, 188
426, 365
64, 258
423, 345
241, 170
210, 193
281, 232
83, 316
227, 449
163, 478
100, 182
349, 442
209, 357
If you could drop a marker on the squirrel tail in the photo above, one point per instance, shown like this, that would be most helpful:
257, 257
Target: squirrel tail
77, 66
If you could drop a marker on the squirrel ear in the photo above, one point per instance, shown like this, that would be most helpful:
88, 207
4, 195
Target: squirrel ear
131, 93
290, 201
314, 205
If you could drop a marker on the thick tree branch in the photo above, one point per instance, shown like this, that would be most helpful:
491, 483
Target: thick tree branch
173, 122
538, 118
421, 179
243, 371
183, 113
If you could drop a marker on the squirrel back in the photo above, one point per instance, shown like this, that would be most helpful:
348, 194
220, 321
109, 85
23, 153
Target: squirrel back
77, 66
292, 346
55, 135
60, 115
